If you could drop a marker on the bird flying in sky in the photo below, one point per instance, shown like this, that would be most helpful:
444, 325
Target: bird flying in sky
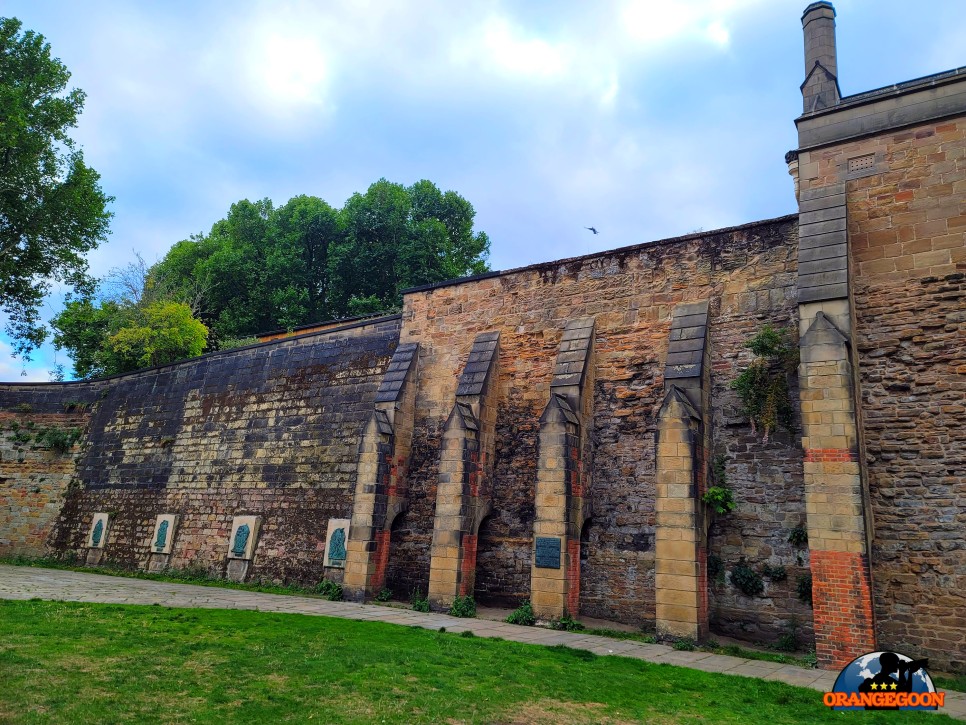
592, 229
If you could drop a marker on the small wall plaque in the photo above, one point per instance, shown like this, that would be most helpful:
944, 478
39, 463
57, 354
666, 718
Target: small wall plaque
244, 533
163, 536
335, 541
97, 537
548, 552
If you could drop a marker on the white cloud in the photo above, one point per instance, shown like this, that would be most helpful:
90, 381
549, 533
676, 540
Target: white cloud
654, 23
509, 50
290, 68
718, 34
272, 64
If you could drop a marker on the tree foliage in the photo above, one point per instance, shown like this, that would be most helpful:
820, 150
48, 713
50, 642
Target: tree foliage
52, 209
135, 324
162, 333
265, 268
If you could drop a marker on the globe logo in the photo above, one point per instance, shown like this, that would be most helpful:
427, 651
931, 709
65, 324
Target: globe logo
884, 681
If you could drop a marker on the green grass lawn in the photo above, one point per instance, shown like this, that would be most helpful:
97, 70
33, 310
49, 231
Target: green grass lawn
67, 662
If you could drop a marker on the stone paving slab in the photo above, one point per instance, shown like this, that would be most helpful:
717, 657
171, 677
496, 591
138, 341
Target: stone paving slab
17, 582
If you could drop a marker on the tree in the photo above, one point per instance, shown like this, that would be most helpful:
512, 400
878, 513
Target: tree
264, 268
164, 332
82, 329
135, 324
398, 237
303, 232
52, 209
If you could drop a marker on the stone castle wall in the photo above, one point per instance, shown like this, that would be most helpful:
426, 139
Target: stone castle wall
273, 430
907, 240
270, 430
748, 274
34, 477
347, 421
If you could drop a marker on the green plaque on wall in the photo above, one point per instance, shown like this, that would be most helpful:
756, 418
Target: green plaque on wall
548, 552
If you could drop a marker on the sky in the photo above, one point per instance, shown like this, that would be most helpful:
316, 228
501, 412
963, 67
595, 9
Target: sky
645, 119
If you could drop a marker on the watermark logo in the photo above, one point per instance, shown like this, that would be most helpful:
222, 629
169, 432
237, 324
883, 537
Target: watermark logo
884, 681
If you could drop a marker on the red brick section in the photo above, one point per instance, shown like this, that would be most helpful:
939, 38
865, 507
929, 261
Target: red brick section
829, 455
573, 576
844, 625
378, 578
468, 565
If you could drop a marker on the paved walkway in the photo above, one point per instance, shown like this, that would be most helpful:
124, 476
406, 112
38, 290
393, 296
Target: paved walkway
18, 582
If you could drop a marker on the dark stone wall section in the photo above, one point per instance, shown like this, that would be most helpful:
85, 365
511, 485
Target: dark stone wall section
269, 430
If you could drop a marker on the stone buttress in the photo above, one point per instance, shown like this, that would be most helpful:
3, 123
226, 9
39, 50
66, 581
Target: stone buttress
683, 442
464, 490
381, 491
563, 475
836, 496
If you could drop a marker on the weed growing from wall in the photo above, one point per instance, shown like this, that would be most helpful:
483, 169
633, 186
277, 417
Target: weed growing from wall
330, 590
763, 385
798, 536
57, 439
719, 497
684, 644
716, 569
566, 623
774, 573
418, 601
384, 595
804, 588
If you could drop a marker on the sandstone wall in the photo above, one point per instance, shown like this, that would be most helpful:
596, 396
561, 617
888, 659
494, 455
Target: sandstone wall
907, 238
270, 430
34, 476
748, 273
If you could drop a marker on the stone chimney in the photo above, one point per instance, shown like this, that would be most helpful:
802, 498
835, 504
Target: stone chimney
821, 87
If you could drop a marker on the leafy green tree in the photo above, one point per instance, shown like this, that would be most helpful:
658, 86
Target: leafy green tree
107, 338
298, 259
52, 209
263, 268
398, 237
164, 332
135, 324
83, 328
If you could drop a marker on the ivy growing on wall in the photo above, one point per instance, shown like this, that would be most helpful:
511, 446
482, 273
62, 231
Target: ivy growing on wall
747, 579
763, 385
